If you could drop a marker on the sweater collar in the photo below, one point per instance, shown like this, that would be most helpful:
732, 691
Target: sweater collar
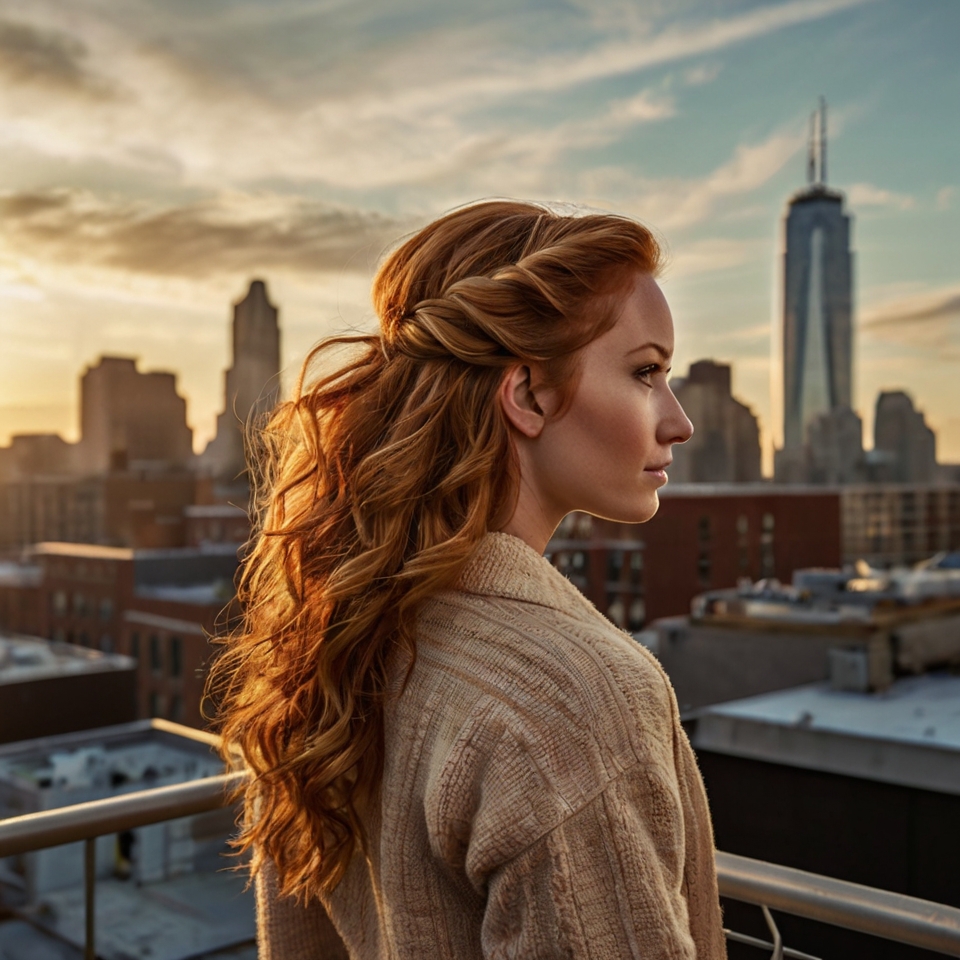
505, 566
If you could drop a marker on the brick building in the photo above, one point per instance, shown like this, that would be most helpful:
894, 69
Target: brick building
704, 536
157, 606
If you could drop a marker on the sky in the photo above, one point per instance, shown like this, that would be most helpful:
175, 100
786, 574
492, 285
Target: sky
157, 156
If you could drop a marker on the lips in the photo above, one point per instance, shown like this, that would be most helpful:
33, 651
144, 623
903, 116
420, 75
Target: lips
660, 467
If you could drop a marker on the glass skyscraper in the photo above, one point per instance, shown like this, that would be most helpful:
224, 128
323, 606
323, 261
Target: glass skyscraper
817, 305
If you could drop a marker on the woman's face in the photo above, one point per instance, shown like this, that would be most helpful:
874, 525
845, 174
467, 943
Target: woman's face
607, 453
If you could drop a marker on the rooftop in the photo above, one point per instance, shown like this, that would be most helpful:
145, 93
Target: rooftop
25, 659
908, 734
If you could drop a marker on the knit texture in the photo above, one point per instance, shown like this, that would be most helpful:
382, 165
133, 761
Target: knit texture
539, 799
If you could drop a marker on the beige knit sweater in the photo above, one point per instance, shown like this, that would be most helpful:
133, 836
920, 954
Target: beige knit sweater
540, 798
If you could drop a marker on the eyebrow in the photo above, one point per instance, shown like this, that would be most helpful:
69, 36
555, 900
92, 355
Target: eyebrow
663, 351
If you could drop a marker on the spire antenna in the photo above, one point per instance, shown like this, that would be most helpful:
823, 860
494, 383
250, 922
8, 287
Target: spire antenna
812, 151
823, 140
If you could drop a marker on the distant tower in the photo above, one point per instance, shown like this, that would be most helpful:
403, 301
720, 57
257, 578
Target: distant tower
128, 417
817, 306
252, 382
904, 447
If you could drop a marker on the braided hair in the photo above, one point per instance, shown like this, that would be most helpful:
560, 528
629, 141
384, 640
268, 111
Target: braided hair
377, 481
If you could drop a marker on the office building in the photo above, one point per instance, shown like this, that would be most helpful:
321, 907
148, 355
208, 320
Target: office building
817, 308
251, 385
904, 447
725, 446
129, 418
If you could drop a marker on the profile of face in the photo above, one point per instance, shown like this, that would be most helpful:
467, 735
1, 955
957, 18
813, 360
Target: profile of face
606, 454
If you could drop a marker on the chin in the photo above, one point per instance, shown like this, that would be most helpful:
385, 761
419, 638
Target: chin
639, 510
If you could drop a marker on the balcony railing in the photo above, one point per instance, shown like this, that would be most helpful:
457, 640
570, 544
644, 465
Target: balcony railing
892, 916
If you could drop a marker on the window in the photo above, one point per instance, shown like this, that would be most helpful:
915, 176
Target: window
176, 657
106, 643
703, 552
638, 615
767, 564
79, 605
176, 708
156, 655
156, 704
135, 645
636, 569
743, 544
60, 602
106, 608
614, 565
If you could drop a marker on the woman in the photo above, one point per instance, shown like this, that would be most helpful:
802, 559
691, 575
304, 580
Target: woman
452, 751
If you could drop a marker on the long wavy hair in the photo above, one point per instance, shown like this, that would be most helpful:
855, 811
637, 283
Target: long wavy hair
377, 480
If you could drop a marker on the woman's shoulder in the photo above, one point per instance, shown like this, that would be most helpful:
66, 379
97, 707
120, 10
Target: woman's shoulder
518, 625
536, 688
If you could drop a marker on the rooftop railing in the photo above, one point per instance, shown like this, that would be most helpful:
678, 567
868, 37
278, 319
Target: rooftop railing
892, 916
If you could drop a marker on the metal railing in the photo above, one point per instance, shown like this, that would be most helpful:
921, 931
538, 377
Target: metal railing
892, 916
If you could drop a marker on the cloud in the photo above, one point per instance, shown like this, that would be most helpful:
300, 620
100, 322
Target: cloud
702, 74
360, 100
945, 197
929, 322
706, 256
229, 234
673, 203
867, 195
49, 59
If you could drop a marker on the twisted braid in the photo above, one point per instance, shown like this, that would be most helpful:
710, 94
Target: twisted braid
378, 481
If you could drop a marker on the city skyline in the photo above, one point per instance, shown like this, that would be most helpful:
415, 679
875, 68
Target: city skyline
157, 159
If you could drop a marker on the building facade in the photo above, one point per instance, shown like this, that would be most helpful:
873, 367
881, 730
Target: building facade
252, 384
703, 537
128, 417
725, 446
904, 447
817, 310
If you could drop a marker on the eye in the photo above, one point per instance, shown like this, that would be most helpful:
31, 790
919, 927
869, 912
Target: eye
645, 374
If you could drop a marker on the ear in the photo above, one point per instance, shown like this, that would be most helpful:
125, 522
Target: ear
519, 402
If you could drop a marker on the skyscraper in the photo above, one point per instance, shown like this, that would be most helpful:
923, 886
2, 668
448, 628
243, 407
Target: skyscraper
817, 307
252, 382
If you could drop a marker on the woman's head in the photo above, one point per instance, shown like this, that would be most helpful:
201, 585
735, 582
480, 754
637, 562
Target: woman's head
498, 284
379, 480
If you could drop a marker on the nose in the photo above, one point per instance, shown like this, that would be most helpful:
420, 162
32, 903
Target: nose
675, 425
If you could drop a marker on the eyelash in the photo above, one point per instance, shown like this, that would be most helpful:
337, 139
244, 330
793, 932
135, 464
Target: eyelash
643, 374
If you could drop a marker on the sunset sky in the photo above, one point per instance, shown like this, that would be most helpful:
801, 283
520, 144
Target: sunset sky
156, 156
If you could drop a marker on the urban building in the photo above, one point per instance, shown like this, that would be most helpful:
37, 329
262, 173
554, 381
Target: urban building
862, 786
891, 525
703, 536
834, 453
859, 629
20, 598
37, 454
130, 418
160, 607
817, 308
252, 384
216, 523
161, 890
49, 688
141, 507
725, 446
904, 447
